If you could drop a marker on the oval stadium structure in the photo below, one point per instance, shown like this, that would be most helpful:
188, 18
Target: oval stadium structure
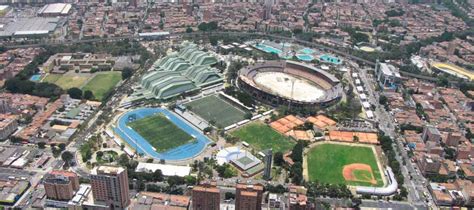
290, 83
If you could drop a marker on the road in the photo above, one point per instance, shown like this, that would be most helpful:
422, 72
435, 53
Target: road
416, 185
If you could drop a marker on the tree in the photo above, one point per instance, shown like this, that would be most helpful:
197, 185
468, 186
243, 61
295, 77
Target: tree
229, 195
123, 160
189, 30
278, 159
297, 152
190, 180
62, 146
248, 115
67, 157
41, 144
75, 93
213, 40
127, 73
158, 175
88, 95
383, 100
99, 154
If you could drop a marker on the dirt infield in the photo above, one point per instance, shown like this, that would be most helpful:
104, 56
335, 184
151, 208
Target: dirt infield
358, 172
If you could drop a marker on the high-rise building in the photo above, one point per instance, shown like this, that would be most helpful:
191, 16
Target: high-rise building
248, 197
60, 185
431, 133
110, 186
267, 10
206, 197
267, 173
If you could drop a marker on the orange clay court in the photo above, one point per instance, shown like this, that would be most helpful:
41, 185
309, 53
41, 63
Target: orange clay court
358, 172
348, 136
321, 121
285, 124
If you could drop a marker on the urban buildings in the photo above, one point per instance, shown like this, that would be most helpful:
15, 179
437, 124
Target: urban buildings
110, 187
61, 185
248, 197
387, 76
206, 197
267, 172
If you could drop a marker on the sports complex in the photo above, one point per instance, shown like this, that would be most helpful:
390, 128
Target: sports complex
290, 83
452, 69
160, 134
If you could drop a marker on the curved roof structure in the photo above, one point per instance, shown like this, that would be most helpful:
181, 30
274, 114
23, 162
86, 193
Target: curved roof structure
383, 191
184, 71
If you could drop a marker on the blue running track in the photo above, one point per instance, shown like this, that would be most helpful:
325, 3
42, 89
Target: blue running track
186, 151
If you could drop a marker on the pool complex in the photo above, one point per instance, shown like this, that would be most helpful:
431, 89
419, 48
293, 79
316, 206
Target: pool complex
268, 49
306, 51
182, 152
35, 77
330, 59
305, 57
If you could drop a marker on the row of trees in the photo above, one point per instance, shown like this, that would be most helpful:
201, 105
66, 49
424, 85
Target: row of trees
386, 144
77, 93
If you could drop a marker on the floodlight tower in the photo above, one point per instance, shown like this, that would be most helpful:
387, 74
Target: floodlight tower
293, 80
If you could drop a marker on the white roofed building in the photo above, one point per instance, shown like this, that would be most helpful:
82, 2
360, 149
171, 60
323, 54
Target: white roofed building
388, 75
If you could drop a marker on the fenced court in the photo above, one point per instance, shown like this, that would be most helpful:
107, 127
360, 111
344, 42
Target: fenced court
216, 109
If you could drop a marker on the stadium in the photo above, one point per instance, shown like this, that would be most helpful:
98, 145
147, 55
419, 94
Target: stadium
160, 134
290, 83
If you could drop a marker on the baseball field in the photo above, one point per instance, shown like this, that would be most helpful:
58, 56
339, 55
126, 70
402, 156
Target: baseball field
343, 164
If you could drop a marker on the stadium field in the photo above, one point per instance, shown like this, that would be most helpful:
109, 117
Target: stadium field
160, 132
102, 84
326, 162
261, 137
213, 108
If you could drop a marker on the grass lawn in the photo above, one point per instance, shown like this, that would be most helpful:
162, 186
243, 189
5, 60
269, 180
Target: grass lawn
218, 110
66, 81
261, 136
160, 132
102, 84
325, 163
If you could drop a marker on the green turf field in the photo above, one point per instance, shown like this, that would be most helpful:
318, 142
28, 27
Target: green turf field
325, 163
66, 81
261, 137
102, 84
216, 109
160, 132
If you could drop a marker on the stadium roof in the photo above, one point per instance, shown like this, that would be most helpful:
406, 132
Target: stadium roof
159, 33
167, 170
181, 72
30, 26
57, 8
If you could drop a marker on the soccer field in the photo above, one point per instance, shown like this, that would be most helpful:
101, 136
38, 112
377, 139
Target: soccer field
261, 137
66, 81
102, 84
216, 109
160, 132
326, 162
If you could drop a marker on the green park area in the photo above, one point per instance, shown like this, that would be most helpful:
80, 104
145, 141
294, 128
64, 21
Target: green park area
160, 132
326, 162
102, 84
261, 136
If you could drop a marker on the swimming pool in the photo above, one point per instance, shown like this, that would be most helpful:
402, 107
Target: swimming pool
305, 57
330, 59
35, 77
268, 49
306, 51
182, 152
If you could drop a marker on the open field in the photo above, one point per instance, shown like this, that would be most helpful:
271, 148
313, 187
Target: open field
102, 84
261, 136
66, 81
213, 108
160, 132
326, 163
